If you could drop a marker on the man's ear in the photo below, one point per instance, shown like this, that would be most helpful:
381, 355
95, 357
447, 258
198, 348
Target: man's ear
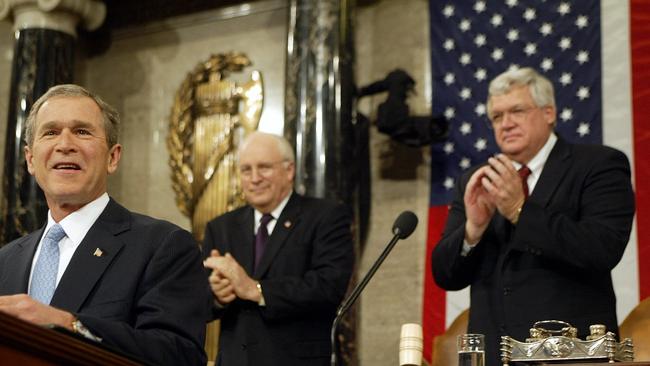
550, 114
114, 155
291, 170
29, 158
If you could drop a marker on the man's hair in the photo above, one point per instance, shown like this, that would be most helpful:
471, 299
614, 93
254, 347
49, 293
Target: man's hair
110, 116
284, 147
541, 89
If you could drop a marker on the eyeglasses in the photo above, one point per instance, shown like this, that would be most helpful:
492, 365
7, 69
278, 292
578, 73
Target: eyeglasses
516, 113
263, 169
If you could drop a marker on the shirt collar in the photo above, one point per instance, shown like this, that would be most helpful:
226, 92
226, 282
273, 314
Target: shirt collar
276, 212
77, 224
536, 164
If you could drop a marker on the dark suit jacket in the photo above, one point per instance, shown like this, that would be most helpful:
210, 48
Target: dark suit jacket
146, 295
304, 274
556, 262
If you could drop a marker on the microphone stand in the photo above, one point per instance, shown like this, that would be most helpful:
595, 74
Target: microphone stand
355, 294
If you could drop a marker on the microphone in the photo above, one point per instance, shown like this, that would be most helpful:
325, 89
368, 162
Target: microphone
410, 345
402, 229
405, 224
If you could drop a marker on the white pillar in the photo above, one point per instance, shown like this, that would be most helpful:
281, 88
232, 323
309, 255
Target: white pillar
59, 15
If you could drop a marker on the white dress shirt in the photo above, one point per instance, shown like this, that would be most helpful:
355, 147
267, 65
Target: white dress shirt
536, 164
76, 226
275, 213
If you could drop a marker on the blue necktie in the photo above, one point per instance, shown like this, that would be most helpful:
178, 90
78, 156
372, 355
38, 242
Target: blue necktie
261, 238
47, 266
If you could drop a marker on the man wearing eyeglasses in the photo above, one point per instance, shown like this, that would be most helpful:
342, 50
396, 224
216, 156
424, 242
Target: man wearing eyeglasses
279, 266
537, 229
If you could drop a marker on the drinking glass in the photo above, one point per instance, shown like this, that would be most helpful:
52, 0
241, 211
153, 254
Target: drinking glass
471, 350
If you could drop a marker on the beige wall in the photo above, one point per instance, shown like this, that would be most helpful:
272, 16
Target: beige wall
394, 34
140, 74
144, 67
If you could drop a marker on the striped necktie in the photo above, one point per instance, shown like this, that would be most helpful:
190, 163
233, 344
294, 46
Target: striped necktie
47, 266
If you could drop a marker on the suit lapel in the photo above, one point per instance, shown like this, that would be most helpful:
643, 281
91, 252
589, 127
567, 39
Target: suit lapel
288, 219
20, 265
243, 240
553, 173
97, 250
502, 229
555, 168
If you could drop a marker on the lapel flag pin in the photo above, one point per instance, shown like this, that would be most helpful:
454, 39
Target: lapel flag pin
98, 253
287, 224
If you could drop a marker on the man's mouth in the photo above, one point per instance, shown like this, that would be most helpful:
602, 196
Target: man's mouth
258, 190
67, 166
510, 137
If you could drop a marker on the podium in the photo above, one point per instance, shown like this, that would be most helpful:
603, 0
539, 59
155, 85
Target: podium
23, 343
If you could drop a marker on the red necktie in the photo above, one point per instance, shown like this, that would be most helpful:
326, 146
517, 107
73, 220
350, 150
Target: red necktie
261, 238
524, 172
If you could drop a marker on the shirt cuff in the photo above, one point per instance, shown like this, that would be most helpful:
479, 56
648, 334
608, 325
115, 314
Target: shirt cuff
217, 304
466, 249
261, 302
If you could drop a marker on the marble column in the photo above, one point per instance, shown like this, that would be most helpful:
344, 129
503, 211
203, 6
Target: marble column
45, 32
318, 98
319, 117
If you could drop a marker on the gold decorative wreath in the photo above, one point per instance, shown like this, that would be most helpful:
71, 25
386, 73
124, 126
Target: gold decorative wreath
181, 125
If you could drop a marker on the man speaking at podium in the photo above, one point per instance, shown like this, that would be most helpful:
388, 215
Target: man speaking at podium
536, 230
131, 282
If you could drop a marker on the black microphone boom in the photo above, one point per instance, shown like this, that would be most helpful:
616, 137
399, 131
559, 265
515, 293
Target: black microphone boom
402, 229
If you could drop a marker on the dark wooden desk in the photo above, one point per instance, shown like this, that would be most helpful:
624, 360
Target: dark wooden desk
22, 343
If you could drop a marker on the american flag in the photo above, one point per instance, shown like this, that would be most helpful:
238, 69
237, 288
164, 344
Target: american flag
474, 41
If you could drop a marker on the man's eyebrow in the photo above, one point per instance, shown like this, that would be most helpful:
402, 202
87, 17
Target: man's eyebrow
74, 124
518, 105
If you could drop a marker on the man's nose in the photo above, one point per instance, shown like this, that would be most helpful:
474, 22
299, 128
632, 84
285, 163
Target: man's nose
508, 120
65, 141
255, 174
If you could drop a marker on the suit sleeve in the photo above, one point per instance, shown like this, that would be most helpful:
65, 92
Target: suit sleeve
210, 242
168, 318
585, 227
451, 271
593, 235
323, 285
